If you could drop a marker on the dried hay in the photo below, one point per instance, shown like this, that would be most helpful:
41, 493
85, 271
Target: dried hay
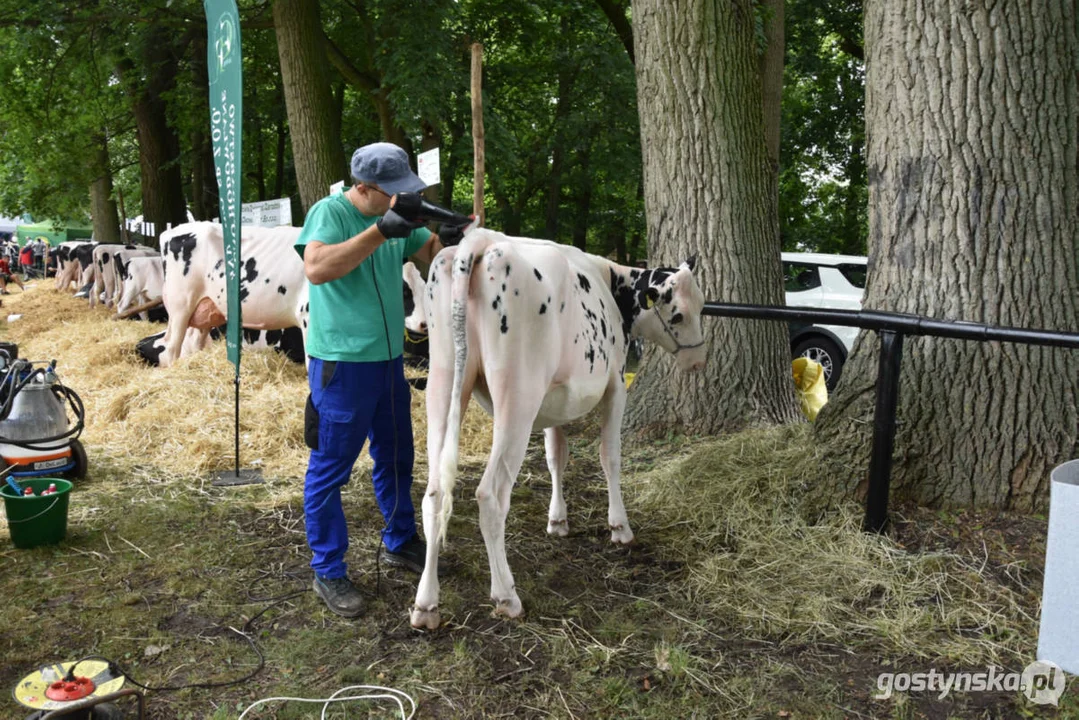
177, 423
756, 565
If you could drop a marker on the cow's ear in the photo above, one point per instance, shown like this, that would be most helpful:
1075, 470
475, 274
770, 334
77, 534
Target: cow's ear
691, 263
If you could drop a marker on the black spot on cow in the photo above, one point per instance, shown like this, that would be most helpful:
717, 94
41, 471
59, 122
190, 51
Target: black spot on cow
543, 309
516, 291
505, 325
497, 300
562, 307
668, 295
181, 247
507, 269
251, 270
585, 285
243, 292
537, 272
267, 281
503, 287
219, 264
281, 288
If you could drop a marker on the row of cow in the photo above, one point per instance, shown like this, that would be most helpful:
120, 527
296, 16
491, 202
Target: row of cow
537, 332
187, 277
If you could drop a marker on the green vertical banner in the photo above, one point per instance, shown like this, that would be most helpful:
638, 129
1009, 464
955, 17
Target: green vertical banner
226, 128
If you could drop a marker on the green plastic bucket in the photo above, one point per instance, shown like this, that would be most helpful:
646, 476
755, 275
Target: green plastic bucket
34, 520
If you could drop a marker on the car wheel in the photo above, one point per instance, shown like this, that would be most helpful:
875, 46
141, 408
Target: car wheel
827, 353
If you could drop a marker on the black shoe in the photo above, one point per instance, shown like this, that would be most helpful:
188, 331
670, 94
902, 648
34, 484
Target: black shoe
340, 596
410, 556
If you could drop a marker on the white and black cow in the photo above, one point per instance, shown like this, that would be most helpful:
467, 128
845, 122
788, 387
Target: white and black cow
67, 267
120, 261
288, 341
87, 271
144, 278
273, 287
537, 332
105, 273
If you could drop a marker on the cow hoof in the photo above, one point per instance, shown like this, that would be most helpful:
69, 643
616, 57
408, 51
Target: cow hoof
509, 608
621, 535
425, 619
558, 527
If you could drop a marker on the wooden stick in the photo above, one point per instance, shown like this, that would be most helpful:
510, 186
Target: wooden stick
477, 131
136, 310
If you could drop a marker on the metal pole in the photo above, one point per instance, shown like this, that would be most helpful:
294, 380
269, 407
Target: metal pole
880, 461
237, 418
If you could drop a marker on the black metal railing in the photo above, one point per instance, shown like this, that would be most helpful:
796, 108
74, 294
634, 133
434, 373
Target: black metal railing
892, 327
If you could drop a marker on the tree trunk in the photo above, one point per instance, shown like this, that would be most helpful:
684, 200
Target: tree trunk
583, 203
282, 145
205, 204
707, 191
554, 177
159, 149
771, 70
972, 127
313, 120
102, 206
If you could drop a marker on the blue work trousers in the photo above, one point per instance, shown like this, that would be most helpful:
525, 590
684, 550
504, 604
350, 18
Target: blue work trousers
353, 402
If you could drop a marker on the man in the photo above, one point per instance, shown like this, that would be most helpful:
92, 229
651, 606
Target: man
7, 276
353, 245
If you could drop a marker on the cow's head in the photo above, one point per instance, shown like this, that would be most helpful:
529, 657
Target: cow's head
671, 303
414, 292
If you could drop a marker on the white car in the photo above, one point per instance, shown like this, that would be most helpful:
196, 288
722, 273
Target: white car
835, 282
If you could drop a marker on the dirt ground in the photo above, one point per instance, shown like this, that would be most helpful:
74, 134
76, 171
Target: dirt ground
162, 572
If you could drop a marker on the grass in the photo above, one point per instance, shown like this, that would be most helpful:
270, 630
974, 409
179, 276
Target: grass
731, 603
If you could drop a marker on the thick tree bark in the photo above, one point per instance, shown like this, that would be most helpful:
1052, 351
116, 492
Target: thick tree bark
771, 70
106, 221
312, 117
707, 191
972, 120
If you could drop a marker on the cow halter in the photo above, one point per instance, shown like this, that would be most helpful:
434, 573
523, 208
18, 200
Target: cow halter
679, 347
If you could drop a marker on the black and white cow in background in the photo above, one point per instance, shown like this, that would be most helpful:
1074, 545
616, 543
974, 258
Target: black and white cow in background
273, 288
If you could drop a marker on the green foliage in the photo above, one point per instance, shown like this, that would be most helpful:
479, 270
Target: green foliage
823, 194
559, 108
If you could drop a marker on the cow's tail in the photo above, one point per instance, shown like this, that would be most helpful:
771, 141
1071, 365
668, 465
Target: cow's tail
471, 246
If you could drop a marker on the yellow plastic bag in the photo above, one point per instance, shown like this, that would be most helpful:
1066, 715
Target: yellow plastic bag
809, 382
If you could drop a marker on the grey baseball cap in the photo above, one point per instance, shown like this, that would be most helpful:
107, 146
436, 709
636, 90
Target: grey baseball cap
385, 165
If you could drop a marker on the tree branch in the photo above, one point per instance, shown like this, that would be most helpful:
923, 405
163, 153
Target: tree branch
353, 75
616, 13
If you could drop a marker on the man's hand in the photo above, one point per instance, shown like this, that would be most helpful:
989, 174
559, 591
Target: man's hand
450, 235
392, 225
408, 205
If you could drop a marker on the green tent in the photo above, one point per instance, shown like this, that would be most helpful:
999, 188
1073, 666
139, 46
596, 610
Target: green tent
53, 232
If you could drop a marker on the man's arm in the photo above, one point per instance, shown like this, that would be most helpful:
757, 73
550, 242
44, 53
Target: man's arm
323, 263
432, 247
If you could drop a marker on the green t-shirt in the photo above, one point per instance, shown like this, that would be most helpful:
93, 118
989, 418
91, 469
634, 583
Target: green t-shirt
345, 321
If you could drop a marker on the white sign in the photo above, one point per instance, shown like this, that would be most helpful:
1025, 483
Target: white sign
427, 167
269, 213
336, 186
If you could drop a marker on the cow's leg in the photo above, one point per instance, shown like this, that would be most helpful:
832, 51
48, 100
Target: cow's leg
554, 441
493, 495
439, 391
610, 457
